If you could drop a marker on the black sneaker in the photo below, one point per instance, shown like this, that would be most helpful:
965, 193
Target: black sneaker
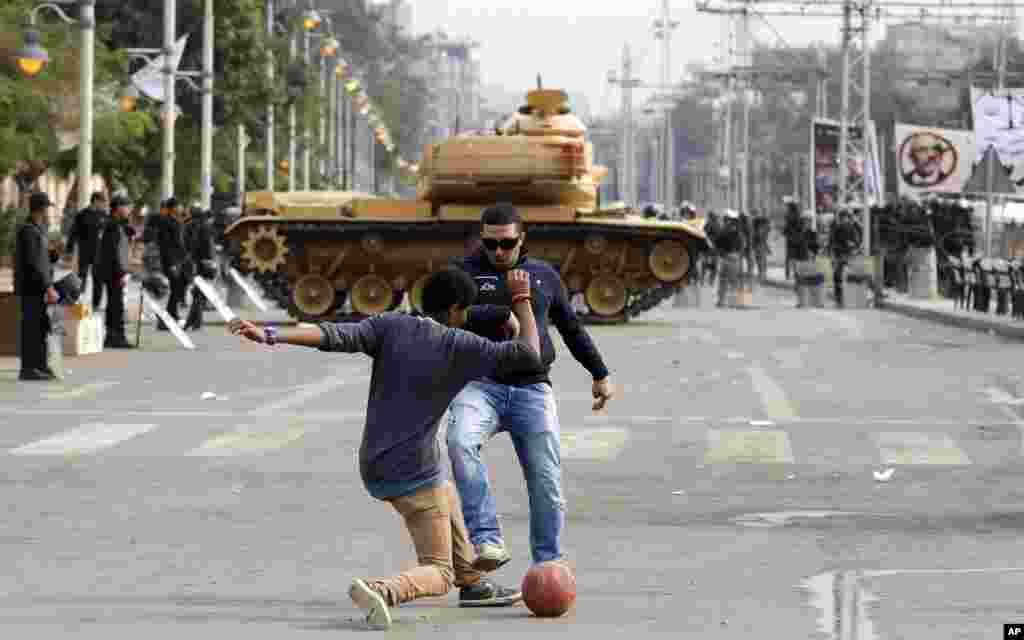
488, 594
36, 375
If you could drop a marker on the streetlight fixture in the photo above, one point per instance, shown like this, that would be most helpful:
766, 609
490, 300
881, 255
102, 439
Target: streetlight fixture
128, 99
31, 58
311, 20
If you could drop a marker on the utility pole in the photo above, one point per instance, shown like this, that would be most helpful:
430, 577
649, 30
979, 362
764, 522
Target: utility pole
170, 27
269, 132
206, 142
293, 52
663, 30
627, 163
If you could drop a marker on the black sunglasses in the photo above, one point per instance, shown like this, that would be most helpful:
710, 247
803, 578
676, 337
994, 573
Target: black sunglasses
507, 244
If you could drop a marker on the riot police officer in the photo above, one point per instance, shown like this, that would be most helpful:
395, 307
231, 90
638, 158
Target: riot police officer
199, 234
111, 271
730, 245
843, 241
165, 240
802, 248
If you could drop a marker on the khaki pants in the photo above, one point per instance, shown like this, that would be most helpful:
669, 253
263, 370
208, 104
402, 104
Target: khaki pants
433, 517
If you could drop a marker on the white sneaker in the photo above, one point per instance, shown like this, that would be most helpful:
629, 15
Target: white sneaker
377, 614
490, 557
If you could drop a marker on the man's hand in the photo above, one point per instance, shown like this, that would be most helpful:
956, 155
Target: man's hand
511, 327
518, 283
51, 296
239, 327
125, 279
603, 390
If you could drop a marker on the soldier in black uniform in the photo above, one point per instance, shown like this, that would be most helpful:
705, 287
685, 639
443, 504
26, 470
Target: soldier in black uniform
112, 271
33, 284
85, 234
843, 241
199, 235
730, 244
802, 245
165, 233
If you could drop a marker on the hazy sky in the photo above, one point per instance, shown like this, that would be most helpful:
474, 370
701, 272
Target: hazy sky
573, 43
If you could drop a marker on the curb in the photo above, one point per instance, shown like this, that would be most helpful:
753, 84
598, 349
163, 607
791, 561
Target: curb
979, 324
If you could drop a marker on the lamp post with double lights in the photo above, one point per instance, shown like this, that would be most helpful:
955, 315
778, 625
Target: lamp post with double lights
32, 58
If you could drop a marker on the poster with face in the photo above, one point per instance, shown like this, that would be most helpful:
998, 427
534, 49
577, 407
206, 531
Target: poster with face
932, 160
825, 142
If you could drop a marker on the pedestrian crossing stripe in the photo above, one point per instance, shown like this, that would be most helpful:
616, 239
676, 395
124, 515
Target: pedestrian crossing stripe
87, 438
244, 441
79, 391
593, 444
761, 446
910, 448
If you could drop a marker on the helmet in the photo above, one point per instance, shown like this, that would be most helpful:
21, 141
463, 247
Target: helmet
156, 284
731, 214
69, 288
208, 269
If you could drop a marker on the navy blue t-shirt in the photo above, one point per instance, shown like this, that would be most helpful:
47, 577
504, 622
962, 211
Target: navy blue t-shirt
419, 366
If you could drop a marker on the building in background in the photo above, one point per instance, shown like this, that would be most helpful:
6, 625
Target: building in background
397, 13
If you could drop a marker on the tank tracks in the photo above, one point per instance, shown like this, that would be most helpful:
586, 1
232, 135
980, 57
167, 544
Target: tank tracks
276, 286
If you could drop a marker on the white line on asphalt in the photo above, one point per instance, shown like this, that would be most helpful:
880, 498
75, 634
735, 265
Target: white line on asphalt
87, 438
751, 447
246, 440
846, 322
306, 394
774, 399
79, 391
919, 448
158, 413
593, 444
850, 420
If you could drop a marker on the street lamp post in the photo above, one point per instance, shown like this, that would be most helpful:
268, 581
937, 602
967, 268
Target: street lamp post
167, 163
31, 59
206, 162
269, 137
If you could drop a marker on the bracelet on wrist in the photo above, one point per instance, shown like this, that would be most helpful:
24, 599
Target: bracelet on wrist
520, 298
271, 334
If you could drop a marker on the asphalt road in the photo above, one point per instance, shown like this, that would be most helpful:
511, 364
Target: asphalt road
728, 492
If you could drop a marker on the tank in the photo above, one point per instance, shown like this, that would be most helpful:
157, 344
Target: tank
314, 251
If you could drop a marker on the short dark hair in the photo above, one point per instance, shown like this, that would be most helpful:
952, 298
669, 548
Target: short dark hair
500, 214
447, 288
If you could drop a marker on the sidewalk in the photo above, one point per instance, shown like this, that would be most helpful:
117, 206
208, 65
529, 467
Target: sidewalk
939, 310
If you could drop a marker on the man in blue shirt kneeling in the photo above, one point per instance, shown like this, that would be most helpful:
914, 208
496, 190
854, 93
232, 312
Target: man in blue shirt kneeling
419, 366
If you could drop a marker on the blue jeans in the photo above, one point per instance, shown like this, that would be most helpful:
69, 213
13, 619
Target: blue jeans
529, 414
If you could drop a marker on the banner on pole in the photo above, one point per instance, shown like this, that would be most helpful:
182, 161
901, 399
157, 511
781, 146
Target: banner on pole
150, 79
932, 160
825, 145
999, 124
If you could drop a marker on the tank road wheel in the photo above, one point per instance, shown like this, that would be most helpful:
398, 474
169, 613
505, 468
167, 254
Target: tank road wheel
265, 249
313, 296
669, 261
416, 293
606, 295
371, 295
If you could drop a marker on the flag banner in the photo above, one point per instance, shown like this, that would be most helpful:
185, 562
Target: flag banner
932, 160
150, 79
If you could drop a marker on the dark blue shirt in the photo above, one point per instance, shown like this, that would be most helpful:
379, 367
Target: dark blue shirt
419, 366
550, 302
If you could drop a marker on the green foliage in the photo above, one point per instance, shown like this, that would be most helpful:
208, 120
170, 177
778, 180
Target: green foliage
9, 220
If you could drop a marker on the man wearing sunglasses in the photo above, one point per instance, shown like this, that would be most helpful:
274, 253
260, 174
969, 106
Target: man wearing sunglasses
522, 405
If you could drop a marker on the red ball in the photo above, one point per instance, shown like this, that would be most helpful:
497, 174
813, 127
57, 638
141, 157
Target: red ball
549, 589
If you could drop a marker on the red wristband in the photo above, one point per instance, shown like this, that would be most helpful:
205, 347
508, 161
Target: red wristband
522, 296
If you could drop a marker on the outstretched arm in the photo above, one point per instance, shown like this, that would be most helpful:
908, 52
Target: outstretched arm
348, 337
300, 336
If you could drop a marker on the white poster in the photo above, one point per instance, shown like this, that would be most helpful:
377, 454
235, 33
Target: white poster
929, 159
150, 79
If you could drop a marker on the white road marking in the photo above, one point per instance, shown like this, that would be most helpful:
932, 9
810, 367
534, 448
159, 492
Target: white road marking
87, 438
911, 448
246, 441
308, 393
325, 416
848, 323
79, 391
763, 446
774, 399
593, 444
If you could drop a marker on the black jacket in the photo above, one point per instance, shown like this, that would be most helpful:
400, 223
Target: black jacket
199, 239
549, 301
112, 260
167, 234
85, 233
803, 245
729, 239
33, 272
843, 239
